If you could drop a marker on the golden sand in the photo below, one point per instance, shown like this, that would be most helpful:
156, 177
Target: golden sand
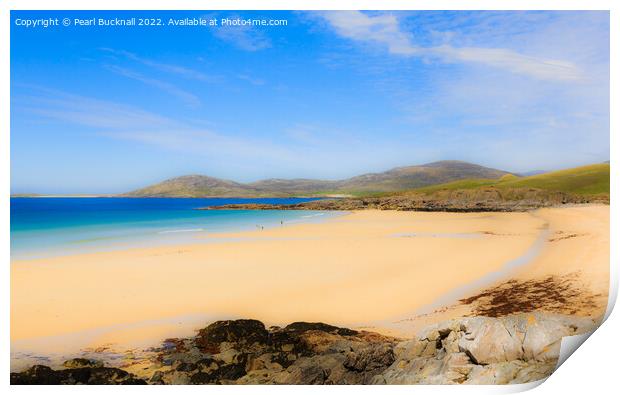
354, 270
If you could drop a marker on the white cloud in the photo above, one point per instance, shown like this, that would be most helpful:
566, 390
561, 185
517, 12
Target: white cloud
548, 109
382, 29
385, 30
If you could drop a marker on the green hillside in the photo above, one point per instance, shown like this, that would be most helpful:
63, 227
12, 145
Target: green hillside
584, 180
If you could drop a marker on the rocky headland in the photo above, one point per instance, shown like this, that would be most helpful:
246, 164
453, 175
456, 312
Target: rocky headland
474, 200
516, 348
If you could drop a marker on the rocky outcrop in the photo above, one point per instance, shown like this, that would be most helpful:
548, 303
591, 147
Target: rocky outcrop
39, 374
482, 350
472, 200
245, 352
478, 350
76, 363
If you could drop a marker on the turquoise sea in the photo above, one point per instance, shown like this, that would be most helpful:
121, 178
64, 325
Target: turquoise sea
42, 227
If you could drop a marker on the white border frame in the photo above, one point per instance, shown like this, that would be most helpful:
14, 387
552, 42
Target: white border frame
594, 366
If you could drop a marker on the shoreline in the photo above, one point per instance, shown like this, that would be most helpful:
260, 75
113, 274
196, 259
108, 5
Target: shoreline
189, 227
372, 232
458, 201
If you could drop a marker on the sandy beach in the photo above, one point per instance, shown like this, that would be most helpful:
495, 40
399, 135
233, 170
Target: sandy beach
361, 270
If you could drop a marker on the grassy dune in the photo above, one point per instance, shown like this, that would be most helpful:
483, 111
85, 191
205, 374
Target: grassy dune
585, 180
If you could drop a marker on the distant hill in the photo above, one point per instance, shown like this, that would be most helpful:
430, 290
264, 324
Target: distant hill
297, 186
394, 180
584, 180
194, 186
402, 178
586, 184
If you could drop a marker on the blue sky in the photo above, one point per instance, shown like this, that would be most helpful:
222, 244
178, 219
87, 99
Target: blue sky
330, 95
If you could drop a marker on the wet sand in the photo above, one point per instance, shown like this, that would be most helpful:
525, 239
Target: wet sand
569, 274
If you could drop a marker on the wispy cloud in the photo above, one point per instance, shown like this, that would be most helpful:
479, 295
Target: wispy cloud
251, 80
84, 111
299, 150
188, 98
244, 37
123, 122
541, 68
165, 67
385, 30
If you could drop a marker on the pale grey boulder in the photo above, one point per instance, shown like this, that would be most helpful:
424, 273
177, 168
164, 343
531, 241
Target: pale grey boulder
532, 336
487, 340
497, 373
518, 348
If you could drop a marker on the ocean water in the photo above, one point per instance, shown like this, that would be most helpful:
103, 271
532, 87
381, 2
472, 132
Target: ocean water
42, 227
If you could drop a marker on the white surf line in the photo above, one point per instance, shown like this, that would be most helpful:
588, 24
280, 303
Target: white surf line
312, 215
181, 231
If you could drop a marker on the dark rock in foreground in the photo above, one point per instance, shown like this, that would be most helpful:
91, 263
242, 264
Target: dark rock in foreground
39, 374
478, 350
